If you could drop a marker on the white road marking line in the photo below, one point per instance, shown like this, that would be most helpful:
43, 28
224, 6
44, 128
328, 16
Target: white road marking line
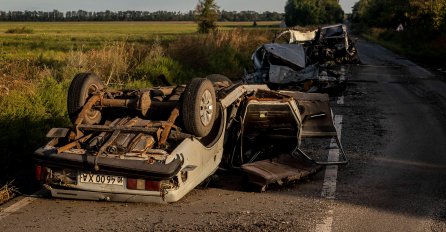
16, 206
340, 100
331, 172
330, 179
19, 204
326, 226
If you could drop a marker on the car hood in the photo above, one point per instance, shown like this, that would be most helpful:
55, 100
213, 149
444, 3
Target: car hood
292, 53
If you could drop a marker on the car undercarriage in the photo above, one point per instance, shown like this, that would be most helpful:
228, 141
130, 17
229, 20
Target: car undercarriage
157, 144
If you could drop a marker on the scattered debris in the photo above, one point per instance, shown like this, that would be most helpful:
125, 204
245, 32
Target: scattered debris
7, 192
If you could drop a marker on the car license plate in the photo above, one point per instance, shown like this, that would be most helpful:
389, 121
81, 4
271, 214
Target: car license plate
101, 179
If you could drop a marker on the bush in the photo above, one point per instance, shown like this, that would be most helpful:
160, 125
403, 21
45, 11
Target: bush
20, 30
224, 52
112, 62
426, 48
26, 117
155, 63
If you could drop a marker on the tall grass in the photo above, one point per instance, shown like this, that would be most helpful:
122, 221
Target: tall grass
112, 62
224, 52
26, 115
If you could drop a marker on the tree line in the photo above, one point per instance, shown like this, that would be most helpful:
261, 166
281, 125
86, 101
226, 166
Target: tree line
420, 15
82, 15
313, 12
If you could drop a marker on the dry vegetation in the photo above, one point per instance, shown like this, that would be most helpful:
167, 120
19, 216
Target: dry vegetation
20, 30
7, 192
36, 70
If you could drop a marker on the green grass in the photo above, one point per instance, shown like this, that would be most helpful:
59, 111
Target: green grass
53, 37
63, 37
113, 29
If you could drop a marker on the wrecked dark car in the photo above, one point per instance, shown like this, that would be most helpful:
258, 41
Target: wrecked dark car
307, 61
157, 144
327, 45
287, 66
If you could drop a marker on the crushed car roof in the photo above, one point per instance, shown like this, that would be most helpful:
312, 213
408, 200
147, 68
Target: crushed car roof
293, 53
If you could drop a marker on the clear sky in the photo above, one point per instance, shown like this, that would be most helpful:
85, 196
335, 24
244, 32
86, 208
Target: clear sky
147, 5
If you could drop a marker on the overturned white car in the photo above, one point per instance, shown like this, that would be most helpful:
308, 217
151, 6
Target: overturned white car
157, 144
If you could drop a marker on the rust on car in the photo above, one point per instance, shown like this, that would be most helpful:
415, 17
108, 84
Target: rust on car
157, 144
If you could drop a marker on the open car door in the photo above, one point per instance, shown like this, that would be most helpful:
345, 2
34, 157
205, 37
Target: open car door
267, 144
317, 121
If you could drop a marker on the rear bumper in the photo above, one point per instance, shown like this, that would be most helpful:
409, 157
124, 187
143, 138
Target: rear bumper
134, 168
104, 196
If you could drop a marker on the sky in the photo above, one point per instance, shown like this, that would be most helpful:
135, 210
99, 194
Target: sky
148, 5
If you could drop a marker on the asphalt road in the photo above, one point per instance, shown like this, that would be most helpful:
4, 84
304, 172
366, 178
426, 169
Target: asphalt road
393, 130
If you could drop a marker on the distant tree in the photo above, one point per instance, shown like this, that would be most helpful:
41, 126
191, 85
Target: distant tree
428, 14
311, 12
419, 15
330, 12
130, 15
301, 12
359, 11
206, 15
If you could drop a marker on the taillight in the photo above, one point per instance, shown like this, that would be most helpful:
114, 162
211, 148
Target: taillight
142, 184
131, 183
153, 185
41, 173
38, 173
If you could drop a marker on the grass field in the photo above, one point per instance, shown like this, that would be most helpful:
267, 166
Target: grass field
65, 36
38, 61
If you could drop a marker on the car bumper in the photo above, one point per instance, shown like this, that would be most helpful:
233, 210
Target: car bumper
102, 196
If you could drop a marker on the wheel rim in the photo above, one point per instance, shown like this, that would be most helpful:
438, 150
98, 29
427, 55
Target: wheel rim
206, 108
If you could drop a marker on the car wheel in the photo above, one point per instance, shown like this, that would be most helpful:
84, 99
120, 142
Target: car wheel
81, 87
220, 78
199, 107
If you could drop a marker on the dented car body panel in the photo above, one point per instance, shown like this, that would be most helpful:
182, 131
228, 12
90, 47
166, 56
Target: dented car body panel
141, 150
318, 65
326, 45
292, 53
273, 66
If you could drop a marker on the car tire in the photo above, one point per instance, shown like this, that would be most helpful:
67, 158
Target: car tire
80, 90
199, 107
220, 78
